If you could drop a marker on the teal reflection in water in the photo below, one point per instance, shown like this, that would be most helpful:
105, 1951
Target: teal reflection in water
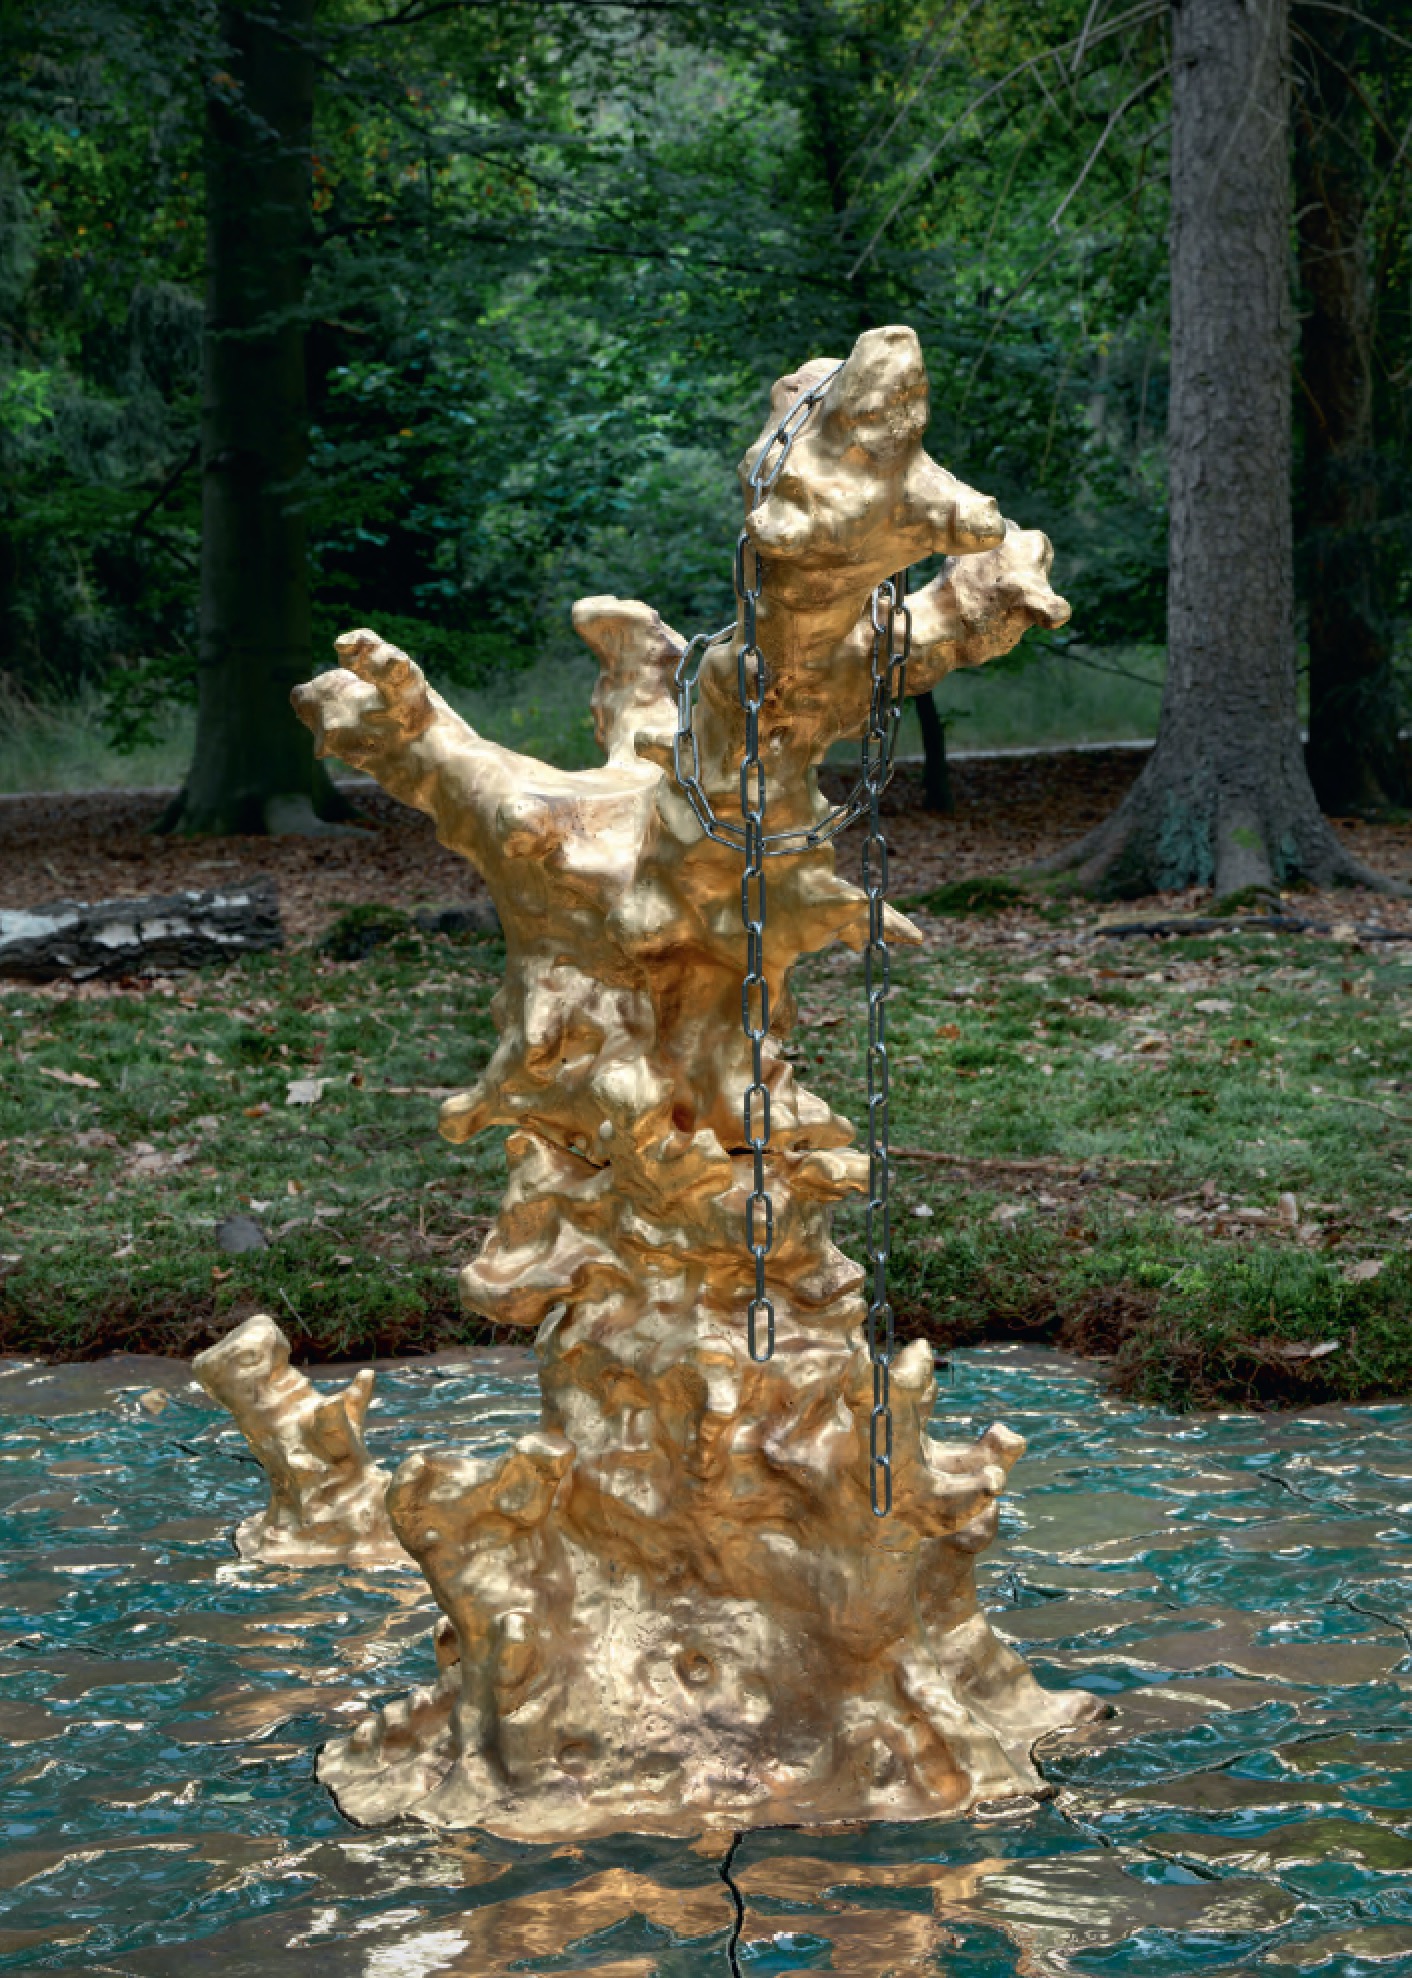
1240, 1587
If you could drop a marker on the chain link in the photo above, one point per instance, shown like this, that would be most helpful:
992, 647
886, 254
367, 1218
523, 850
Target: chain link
888, 686
754, 990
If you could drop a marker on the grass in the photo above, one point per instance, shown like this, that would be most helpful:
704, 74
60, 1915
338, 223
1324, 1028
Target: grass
1057, 697
1158, 1098
62, 745
113, 1190
542, 710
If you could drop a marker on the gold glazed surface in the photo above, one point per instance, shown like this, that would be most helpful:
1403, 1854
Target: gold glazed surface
326, 1494
671, 1606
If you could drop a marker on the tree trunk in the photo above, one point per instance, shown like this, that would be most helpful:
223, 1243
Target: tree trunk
1224, 799
1354, 759
253, 769
936, 774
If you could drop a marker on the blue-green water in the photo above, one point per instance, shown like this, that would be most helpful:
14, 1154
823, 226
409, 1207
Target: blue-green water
1240, 1586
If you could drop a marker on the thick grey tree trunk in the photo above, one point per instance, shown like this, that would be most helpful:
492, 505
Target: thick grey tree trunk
1224, 800
1355, 759
253, 768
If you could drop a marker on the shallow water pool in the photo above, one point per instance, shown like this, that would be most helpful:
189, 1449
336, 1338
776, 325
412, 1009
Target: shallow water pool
1240, 1587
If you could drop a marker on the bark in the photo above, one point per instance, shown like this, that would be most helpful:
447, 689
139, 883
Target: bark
79, 940
253, 768
1225, 800
936, 774
1355, 761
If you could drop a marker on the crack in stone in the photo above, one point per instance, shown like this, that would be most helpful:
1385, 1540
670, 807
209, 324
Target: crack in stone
738, 1925
1403, 1628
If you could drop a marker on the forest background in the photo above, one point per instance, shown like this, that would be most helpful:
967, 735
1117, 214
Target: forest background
550, 258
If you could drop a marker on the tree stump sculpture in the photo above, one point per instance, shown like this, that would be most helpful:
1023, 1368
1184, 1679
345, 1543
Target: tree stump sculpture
326, 1497
673, 1605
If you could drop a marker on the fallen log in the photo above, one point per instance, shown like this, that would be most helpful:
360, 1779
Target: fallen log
85, 939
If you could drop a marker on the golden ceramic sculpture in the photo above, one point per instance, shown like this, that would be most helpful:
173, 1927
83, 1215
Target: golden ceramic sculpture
326, 1496
672, 1606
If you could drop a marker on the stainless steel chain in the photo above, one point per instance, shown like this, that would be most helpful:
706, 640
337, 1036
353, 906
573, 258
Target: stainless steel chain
687, 766
889, 688
887, 697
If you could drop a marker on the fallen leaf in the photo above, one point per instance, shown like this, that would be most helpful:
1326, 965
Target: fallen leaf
1007, 1212
949, 1030
1364, 1271
1306, 1349
1214, 1006
69, 1077
257, 1112
150, 1160
1153, 1041
293, 1187
1289, 1210
305, 1091
922, 1209
153, 1402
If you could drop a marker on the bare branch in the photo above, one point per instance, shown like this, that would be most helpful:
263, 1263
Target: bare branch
1133, 96
904, 109
1145, 10
1035, 272
1352, 14
1094, 6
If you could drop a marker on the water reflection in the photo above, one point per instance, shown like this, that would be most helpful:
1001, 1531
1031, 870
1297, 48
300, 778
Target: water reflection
1240, 1587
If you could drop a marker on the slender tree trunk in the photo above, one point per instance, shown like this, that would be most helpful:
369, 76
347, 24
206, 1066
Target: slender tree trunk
1224, 799
936, 772
1354, 758
253, 769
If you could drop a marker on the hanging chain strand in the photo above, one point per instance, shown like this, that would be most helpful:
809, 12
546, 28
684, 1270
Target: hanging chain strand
751, 682
754, 990
891, 619
889, 687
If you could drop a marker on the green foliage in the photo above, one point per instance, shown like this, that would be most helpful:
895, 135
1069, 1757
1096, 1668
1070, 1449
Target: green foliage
559, 255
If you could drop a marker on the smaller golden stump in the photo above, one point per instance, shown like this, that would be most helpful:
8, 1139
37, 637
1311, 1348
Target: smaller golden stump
326, 1494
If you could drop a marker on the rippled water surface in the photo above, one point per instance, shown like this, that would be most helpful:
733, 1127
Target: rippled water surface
1240, 1587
